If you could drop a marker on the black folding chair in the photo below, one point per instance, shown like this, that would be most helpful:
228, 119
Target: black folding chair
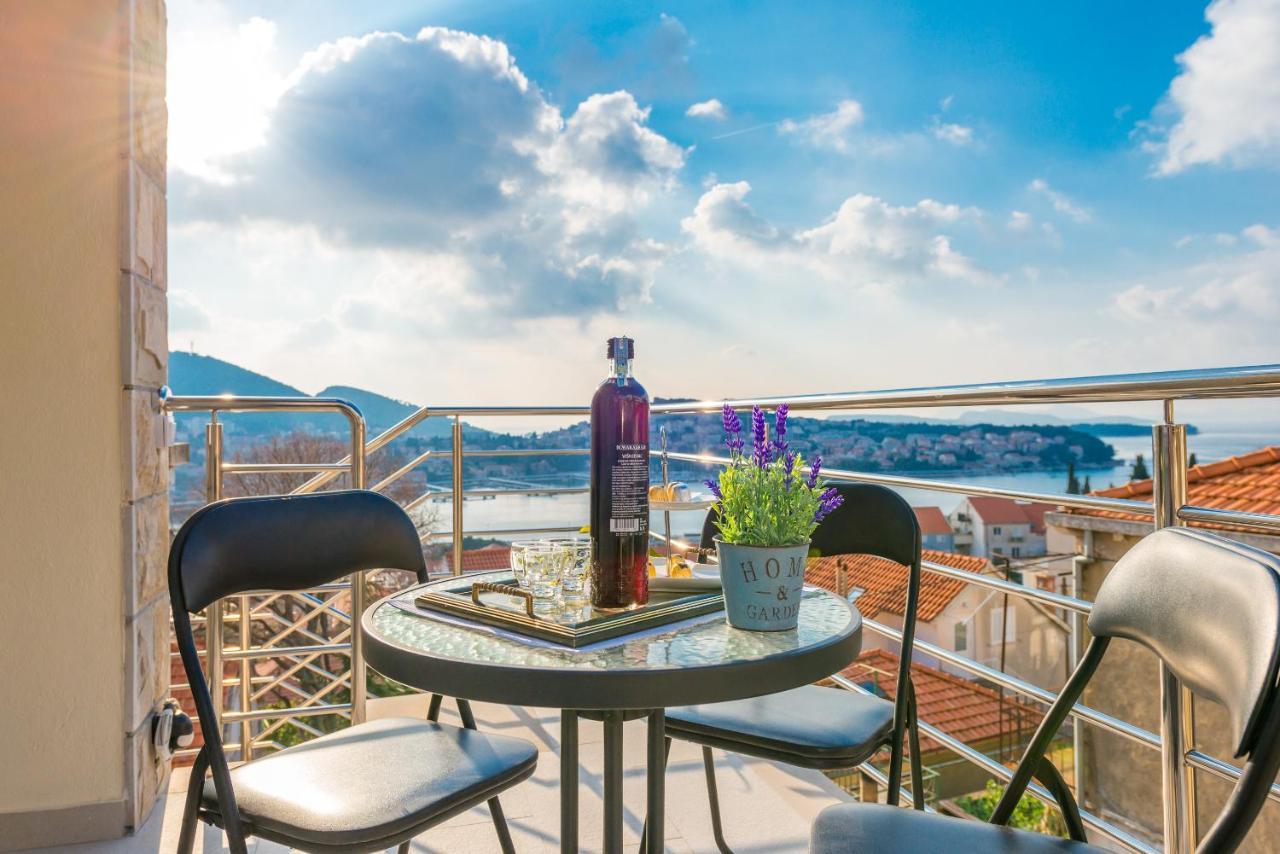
1209, 608
365, 788
815, 727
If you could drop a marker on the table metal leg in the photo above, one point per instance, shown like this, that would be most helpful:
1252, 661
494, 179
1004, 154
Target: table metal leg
657, 772
613, 783
568, 782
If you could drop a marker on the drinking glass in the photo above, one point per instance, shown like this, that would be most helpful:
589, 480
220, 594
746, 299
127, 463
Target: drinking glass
520, 559
577, 562
544, 569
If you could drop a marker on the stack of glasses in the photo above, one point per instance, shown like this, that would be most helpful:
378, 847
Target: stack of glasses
553, 570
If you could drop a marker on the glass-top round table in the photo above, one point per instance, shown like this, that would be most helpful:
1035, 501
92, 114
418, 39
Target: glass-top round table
697, 662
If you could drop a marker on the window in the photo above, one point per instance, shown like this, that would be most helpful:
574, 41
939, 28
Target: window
1004, 628
995, 530
1015, 551
962, 637
856, 592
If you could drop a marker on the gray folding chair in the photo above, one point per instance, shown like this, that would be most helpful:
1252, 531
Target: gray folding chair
1210, 609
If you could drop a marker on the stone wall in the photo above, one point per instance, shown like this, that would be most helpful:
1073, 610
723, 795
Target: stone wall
144, 363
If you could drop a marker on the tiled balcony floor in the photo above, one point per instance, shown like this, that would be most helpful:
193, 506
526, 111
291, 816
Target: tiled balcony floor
767, 807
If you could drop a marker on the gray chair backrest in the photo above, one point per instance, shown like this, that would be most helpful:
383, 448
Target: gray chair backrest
1210, 609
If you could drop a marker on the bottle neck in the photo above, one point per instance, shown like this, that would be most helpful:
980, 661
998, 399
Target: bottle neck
620, 368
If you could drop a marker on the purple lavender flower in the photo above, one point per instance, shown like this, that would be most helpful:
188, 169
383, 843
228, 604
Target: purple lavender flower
780, 428
759, 443
831, 499
788, 468
812, 481
732, 430
715, 489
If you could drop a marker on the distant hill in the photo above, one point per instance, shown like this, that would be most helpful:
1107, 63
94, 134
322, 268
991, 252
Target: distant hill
381, 412
1096, 425
193, 374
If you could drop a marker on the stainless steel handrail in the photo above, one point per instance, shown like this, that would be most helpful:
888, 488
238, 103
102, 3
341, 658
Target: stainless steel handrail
1168, 508
216, 467
1248, 381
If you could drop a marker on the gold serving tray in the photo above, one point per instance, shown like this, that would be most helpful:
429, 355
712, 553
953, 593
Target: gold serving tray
498, 601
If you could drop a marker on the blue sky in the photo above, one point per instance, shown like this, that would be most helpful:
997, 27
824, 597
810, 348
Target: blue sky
771, 197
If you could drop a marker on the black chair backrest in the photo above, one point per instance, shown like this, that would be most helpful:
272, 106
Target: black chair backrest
1209, 608
276, 543
873, 520
288, 542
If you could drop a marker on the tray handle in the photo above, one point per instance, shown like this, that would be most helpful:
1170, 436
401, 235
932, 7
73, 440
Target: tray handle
479, 587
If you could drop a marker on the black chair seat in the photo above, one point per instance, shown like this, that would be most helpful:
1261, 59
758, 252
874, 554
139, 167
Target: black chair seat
868, 828
811, 727
373, 781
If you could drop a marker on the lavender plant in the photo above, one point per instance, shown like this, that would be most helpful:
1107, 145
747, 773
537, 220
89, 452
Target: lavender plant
760, 499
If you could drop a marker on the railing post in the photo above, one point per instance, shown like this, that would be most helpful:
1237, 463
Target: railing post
1177, 720
213, 614
359, 670
457, 495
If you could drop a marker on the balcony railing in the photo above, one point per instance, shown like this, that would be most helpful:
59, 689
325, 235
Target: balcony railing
1176, 738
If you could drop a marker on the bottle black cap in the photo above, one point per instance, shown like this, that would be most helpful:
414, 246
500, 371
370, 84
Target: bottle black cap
621, 346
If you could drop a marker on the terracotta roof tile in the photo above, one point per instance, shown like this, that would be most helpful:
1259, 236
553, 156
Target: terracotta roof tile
959, 707
932, 520
480, 560
1006, 511
885, 582
1249, 482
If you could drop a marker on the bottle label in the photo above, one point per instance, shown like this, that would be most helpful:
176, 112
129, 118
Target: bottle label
629, 503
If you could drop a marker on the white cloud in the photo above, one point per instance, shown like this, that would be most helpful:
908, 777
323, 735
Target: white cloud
187, 313
952, 133
867, 242
711, 109
1142, 303
222, 85
1020, 221
827, 130
1235, 295
1061, 203
945, 103
470, 162
1226, 99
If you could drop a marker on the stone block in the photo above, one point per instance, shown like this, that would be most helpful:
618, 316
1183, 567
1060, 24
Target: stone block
146, 567
146, 458
147, 679
148, 775
145, 338
145, 250
148, 114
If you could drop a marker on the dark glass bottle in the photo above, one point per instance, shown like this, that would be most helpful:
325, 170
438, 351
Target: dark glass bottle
620, 485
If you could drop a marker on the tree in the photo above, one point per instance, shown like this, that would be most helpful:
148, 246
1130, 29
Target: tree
1029, 814
1073, 482
1087, 488
1139, 471
1191, 460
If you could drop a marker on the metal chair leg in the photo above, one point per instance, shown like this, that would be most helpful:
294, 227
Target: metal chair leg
713, 798
913, 736
644, 834
403, 849
495, 805
191, 807
433, 710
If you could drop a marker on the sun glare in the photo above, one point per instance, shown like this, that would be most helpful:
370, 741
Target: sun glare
222, 85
